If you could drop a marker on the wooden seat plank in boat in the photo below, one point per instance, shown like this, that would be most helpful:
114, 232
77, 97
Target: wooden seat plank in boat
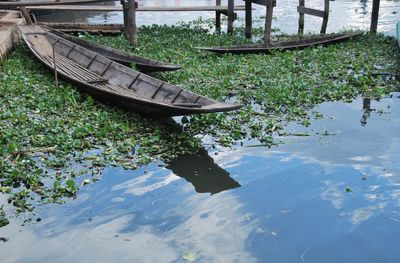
113, 82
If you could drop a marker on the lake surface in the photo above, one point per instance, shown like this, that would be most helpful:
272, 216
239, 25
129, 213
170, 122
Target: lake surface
344, 14
320, 198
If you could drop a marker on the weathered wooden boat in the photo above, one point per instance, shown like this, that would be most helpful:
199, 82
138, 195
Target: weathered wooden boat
143, 64
112, 82
286, 45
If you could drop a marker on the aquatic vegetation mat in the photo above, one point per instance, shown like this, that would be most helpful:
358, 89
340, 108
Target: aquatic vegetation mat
55, 140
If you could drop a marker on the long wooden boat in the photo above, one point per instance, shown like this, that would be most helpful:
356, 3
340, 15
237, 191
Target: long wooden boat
112, 82
142, 63
286, 45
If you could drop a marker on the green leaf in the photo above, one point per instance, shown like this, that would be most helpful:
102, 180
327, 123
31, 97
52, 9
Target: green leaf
190, 256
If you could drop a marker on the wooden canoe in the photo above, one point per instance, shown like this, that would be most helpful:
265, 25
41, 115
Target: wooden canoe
115, 83
142, 64
286, 45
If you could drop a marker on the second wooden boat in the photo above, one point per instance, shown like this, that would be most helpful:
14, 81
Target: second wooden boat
112, 82
143, 64
286, 45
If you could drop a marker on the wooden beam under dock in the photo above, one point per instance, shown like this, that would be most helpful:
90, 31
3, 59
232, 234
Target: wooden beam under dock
139, 9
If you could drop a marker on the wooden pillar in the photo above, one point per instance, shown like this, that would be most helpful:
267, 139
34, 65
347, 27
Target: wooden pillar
231, 15
125, 9
130, 28
218, 17
325, 17
301, 18
249, 19
25, 14
268, 21
375, 16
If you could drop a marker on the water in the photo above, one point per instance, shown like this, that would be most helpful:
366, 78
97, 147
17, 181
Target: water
344, 14
320, 198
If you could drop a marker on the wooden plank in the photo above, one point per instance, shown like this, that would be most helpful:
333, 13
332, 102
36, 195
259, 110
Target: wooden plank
139, 9
264, 2
301, 18
84, 27
7, 5
310, 11
375, 16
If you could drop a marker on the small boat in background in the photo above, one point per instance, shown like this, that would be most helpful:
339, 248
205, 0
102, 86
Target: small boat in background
285, 45
142, 64
112, 82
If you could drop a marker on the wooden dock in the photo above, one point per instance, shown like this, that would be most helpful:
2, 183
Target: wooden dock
139, 9
8, 31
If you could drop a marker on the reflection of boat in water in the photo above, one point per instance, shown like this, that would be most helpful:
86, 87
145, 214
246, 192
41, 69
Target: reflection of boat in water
200, 170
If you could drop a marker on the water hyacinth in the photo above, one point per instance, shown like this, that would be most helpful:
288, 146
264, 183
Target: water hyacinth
54, 141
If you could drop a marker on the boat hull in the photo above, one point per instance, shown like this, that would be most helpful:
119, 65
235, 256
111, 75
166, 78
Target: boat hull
112, 82
287, 45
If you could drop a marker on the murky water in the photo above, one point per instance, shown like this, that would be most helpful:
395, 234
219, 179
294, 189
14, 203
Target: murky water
332, 198
343, 14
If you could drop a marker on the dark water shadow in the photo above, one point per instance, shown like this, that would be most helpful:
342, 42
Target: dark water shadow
202, 172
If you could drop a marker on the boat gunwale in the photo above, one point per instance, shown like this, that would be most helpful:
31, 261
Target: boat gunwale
284, 45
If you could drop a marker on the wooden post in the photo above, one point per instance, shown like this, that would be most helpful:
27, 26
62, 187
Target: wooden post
325, 18
301, 18
375, 16
54, 63
231, 15
131, 23
249, 19
218, 17
268, 21
25, 14
125, 9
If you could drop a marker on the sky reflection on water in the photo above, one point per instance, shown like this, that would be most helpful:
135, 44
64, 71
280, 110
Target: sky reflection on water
289, 203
